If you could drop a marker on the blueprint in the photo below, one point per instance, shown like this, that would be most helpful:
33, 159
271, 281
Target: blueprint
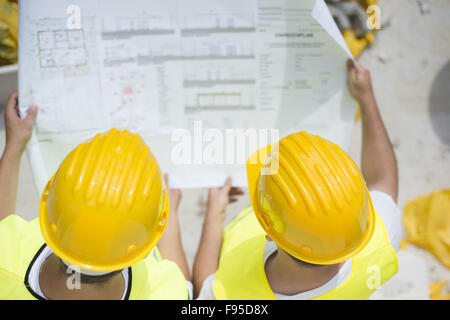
157, 66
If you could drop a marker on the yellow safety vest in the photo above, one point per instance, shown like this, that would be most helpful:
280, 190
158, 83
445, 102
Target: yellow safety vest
241, 274
20, 242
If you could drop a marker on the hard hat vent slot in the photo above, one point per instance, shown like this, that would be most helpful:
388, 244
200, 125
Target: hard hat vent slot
163, 221
266, 220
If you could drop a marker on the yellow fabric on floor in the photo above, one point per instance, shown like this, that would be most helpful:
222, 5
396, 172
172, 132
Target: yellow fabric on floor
436, 289
427, 222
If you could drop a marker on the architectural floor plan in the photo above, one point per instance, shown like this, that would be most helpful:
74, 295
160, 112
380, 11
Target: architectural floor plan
157, 66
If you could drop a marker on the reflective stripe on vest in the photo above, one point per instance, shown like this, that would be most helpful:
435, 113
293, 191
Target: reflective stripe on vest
241, 273
152, 277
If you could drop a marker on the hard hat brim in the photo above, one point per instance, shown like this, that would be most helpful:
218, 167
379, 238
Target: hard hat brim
253, 176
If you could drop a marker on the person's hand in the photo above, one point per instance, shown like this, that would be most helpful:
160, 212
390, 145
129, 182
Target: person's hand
174, 196
359, 82
219, 198
18, 131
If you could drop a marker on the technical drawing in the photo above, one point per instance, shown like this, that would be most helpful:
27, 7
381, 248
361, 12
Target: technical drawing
213, 22
136, 26
156, 66
62, 48
125, 90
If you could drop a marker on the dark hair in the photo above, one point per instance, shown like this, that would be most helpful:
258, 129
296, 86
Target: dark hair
86, 279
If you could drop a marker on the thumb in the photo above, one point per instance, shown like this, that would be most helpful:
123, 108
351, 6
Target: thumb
31, 115
351, 69
227, 185
350, 64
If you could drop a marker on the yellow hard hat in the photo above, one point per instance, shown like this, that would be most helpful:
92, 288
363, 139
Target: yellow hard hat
314, 204
107, 206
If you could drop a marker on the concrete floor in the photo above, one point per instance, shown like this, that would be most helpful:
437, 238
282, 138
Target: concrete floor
410, 66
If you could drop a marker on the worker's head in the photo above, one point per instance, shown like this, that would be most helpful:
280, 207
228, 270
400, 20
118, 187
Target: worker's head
316, 206
106, 207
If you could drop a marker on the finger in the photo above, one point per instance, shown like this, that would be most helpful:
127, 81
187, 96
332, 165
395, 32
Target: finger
11, 105
358, 67
227, 185
31, 115
353, 74
236, 191
12, 100
350, 64
166, 178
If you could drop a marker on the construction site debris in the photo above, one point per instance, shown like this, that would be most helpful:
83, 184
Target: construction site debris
427, 223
